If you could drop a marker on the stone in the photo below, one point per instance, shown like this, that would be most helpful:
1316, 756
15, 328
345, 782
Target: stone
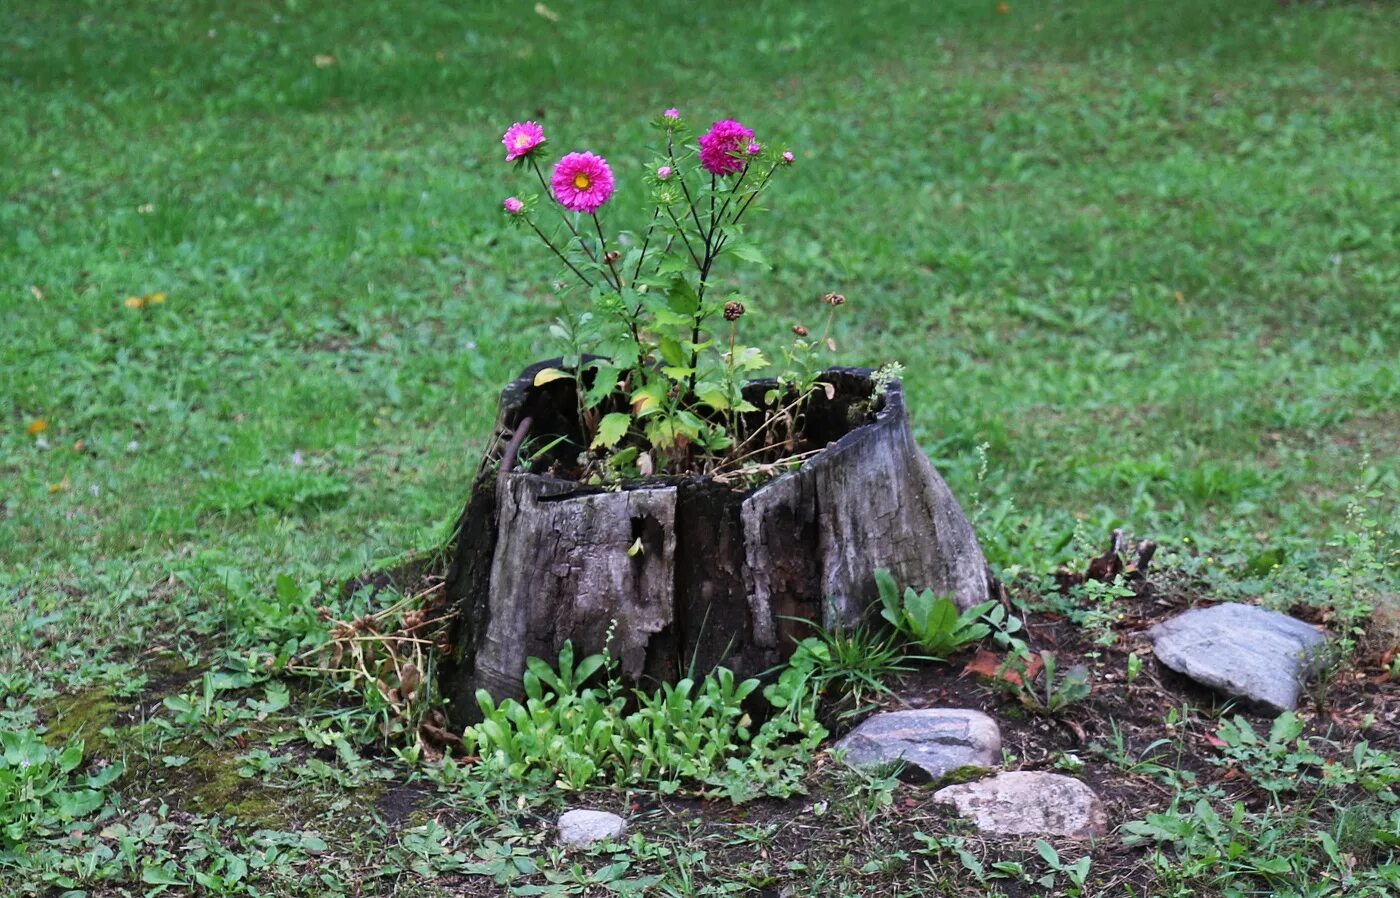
931, 741
1242, 651
1024, 803
582, 828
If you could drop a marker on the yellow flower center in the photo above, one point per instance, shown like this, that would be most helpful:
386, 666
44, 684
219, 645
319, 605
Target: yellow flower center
581, 181
522, 141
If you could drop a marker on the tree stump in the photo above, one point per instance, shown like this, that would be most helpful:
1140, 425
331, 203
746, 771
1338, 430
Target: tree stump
724, 575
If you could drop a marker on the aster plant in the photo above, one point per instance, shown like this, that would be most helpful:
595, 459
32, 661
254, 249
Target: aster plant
651, 334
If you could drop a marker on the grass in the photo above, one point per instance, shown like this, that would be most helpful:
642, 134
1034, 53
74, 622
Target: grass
1139, 263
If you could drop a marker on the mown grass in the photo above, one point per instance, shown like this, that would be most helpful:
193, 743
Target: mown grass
1146, 256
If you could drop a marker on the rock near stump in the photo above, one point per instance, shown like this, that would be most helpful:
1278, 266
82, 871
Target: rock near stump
582, 828
1245, 652
1025, 803
931, 741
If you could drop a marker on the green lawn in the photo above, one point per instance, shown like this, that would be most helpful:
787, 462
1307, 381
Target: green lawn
1141, 263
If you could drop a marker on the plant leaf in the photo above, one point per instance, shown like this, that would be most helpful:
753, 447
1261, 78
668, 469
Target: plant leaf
611, 430
549, 375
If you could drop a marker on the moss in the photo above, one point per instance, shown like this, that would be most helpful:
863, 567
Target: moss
213, 785
966, 774
83, 715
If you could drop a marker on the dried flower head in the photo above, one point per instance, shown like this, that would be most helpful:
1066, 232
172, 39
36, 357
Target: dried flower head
833, 299
800, 330
522, 139
611, 256
733, 310
722, 147
582, 182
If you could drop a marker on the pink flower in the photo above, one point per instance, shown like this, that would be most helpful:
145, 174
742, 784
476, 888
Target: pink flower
663, 173
787, 157
722, 146
755, 148
513, 205
521, 140
582, 182
673, 114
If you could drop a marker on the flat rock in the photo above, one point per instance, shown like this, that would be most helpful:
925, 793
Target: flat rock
934, 741
581, 828
1242, 651
1024, 803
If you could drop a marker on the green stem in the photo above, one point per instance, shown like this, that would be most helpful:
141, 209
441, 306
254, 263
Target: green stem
562, 257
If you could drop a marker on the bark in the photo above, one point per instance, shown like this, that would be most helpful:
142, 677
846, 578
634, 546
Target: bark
723, 576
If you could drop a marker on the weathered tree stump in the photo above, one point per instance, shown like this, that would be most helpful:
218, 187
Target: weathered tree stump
724, 576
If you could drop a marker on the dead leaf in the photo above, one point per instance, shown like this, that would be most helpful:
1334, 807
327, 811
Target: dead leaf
989, 664
323, 60
37, 426
545, 11
409, 678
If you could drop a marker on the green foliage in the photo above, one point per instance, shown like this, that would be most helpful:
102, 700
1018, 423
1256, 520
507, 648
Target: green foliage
40, 791
652, 341
933, 623
577, 736
1053, 691
1167, 302
855, 664
1282, 762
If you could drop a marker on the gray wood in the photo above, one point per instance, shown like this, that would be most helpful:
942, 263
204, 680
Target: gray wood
722, 575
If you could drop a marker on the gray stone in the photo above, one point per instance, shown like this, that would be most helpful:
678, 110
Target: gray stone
1024, 803
934, 741
580, 829
1245, 652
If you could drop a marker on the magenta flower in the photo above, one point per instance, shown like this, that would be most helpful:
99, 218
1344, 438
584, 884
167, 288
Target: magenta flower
721, 147
787, 157
513, 206
522, 138
673, 114
582, 182
663, 173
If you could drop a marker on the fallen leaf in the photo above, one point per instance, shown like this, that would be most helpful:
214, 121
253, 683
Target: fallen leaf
1003, 8
154, 299
37, 426
133, 302
545, 11
987, 663
60, 487
38, 294
323, 61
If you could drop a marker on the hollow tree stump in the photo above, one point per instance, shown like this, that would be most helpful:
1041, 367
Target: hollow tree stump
724, 576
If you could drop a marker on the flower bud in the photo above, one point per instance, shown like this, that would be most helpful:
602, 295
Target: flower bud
733, 310
833, 299
513, 206
788, 157
755, 148
800, 330
664, 173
